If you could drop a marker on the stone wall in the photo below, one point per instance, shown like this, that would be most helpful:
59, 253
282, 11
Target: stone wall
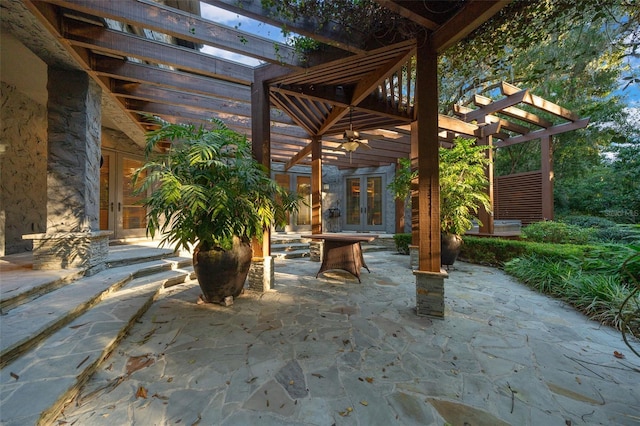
23, 169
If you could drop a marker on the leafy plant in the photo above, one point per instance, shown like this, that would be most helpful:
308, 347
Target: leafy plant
463, 185
400, 186
402, 242
557, 232
206, 187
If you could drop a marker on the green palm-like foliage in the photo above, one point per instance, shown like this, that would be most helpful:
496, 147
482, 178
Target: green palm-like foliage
207, 187
463, 185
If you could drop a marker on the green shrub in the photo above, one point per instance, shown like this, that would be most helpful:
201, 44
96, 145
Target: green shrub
621, 234
557, 232
588, 221
498, 251
402, 242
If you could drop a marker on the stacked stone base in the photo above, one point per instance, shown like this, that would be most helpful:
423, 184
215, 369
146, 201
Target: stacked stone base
430, 293
85, 250
262, 274
315, 251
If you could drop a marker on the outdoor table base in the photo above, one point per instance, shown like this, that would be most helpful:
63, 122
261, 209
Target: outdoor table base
342, 251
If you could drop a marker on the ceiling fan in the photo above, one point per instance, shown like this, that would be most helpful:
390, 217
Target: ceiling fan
352, 139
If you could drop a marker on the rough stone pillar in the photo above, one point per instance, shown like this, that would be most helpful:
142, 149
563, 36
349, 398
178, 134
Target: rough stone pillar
262, 274
315, 251
73, 175
430, 293
73, 170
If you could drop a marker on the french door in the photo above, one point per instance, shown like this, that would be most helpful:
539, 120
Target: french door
364, 203
120, 211
300, 221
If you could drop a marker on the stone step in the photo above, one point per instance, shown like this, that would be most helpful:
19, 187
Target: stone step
16, 290
291, 254
289, 246
36, 386
23, 326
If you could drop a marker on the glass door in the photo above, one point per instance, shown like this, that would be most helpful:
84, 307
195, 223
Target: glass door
300, 221
120, 211
364, 203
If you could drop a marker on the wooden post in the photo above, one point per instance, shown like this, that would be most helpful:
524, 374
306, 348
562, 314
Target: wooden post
261, 274
316, 185
428, 173
261, 140
487, 217
546, 169
429, 276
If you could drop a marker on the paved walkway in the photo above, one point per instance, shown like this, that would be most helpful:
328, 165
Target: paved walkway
331, 351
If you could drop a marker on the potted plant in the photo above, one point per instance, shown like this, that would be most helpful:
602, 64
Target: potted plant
206, 192
463, 188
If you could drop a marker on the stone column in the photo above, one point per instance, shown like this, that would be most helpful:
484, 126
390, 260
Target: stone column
73, 175
430, 293
262, 274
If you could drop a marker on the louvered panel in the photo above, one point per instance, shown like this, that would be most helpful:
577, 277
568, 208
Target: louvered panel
519, 197
349, 69
281, 101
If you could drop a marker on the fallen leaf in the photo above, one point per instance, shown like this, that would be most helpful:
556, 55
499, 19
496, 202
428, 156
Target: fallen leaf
618, 355
136, 363
578, 380
318, 375
365, 403
291, 382
141, 393
78, 326
155, 395
369, 379
14, 375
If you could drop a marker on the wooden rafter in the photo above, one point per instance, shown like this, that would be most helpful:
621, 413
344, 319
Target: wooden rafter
555, 130
543, 104
123, 44
167, 20
474, 14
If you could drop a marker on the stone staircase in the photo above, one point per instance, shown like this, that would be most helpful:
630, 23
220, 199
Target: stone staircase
58, 326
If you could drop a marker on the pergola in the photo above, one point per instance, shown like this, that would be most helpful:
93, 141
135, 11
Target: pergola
146, 57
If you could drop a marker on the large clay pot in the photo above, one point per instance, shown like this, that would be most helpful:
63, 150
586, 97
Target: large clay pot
222, 273
450, 245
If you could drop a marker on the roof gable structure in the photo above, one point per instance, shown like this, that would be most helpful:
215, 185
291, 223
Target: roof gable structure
152, 65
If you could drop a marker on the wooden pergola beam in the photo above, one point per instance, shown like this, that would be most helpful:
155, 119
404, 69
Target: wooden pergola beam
300, 155
123, 44
142, 73
474, 14
347, 39
543, 104
186, 26
495, 106
514, 112
537, 134
408, 13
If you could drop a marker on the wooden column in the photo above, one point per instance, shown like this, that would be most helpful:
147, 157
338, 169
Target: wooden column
316, 185
399, 208
487, 217
261, 274
546, 169
261, 140
428, 173
429, 276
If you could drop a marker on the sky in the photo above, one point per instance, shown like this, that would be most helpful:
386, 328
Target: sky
241, 23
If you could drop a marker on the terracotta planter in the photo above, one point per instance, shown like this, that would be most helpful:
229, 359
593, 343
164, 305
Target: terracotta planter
222, 273
450, 245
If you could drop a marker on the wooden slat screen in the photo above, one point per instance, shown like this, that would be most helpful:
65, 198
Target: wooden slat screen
518, 197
